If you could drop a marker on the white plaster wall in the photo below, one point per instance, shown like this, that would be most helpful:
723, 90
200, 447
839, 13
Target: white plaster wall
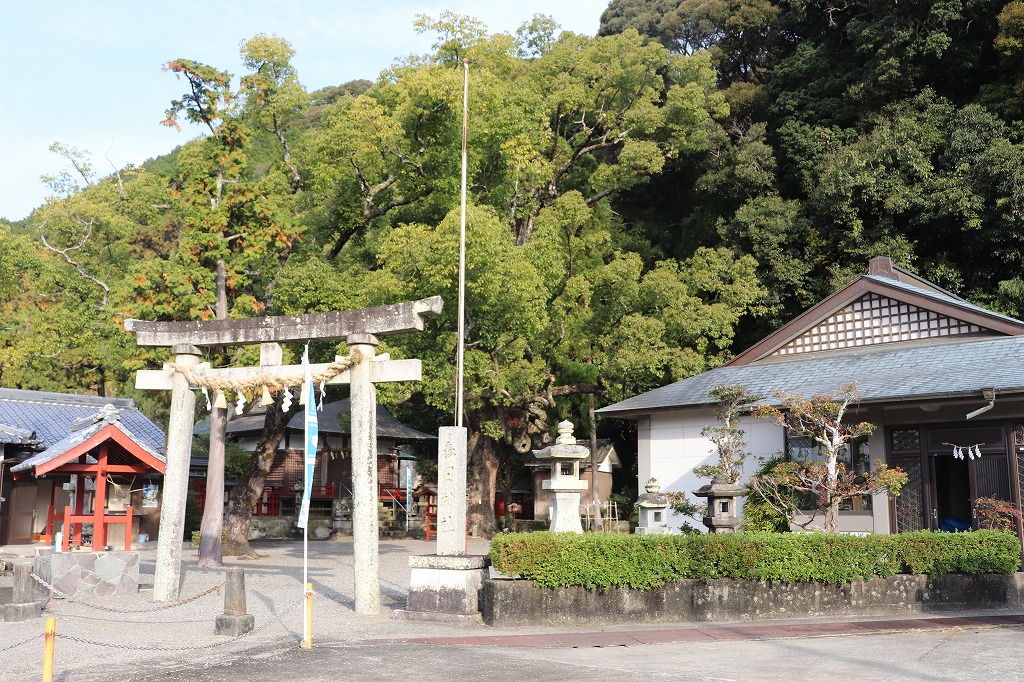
672, 446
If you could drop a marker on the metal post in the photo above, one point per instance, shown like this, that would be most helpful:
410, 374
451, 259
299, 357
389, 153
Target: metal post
307, 640
51, 631
460, 359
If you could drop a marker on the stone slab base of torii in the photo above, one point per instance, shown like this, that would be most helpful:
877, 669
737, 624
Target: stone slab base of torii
359, 329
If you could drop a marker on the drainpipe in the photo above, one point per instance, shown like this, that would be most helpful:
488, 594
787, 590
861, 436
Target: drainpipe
988, 394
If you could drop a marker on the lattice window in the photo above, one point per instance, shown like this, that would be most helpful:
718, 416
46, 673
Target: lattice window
906, 439
1018, 441
801, 448
910, 501
874, 319
1020, 480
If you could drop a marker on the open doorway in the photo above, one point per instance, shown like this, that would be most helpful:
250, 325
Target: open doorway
952, 493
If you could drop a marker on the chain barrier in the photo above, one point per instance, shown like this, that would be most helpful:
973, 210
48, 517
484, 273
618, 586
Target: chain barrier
8, 647
196, 647
181, 602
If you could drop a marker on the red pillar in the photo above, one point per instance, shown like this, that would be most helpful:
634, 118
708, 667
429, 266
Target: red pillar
79, 507
128, 528
99, 530
67, 524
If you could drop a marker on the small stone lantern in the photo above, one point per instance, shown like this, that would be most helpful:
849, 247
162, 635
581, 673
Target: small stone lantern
652, 510
565, 484
721, 515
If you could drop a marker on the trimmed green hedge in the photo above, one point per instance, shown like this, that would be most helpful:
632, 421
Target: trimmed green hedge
598, 560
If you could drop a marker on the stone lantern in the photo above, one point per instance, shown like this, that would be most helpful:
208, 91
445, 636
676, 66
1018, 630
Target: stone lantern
721, 515
652, 510
565, 484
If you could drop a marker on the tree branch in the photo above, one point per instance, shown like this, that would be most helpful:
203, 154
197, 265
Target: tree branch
64, 253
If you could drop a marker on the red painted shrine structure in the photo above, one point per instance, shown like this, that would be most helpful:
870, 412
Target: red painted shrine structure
110, 450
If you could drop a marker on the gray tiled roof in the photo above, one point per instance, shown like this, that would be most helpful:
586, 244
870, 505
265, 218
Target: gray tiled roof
51, 415
334, 418
11, 435
883, 373
100, 419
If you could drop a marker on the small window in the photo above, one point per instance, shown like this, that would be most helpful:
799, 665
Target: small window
723, 507
801, 448
567, 469
657, 517
906, 439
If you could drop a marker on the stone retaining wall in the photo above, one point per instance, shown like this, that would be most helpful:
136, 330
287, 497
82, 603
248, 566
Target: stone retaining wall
96, 574
519, 602
283, 528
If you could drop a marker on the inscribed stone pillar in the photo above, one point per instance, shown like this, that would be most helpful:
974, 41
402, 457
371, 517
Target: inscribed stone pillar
179, 451
364, 475
451, 491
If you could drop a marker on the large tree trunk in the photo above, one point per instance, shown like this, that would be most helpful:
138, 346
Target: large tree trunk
508, 520
210, 549
482, 472
250, 488
832, 516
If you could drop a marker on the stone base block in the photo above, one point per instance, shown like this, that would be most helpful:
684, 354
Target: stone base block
12, 613
653, 530
446, 584
234, 626
436, 617
93, 574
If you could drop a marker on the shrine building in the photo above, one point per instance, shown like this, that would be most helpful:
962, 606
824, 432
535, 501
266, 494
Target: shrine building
940, 378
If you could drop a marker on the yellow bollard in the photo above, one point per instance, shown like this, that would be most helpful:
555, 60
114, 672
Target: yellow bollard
51, 629
307, 640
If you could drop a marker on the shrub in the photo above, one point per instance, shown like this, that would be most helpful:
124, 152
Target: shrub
758, 513
592, 559
601, 560
996, 514
983, 551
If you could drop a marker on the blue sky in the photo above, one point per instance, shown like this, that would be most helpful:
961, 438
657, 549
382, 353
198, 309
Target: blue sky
87, 73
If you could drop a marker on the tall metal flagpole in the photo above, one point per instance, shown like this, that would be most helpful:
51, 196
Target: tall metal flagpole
311, 432
462, 250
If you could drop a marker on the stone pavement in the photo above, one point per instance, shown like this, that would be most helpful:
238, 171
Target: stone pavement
135, 642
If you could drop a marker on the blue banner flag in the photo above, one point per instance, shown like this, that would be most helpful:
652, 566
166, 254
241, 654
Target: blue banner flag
312, 434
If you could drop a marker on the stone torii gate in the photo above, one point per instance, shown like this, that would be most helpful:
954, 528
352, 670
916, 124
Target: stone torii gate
359, 329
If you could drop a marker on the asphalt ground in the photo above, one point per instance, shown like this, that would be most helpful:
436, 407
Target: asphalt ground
129, 638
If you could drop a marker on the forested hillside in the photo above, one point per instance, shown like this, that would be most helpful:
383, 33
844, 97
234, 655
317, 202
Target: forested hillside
643, 204
854, 129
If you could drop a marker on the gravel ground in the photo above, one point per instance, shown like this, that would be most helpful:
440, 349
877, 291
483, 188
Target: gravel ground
92, 644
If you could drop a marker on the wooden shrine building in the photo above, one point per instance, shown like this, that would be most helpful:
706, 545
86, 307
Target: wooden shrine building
940, 378
77, 461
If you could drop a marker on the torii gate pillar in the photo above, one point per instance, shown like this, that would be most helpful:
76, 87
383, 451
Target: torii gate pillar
364, 475
179, 452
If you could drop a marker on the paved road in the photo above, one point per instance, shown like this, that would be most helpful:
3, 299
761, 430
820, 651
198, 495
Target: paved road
985, 654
